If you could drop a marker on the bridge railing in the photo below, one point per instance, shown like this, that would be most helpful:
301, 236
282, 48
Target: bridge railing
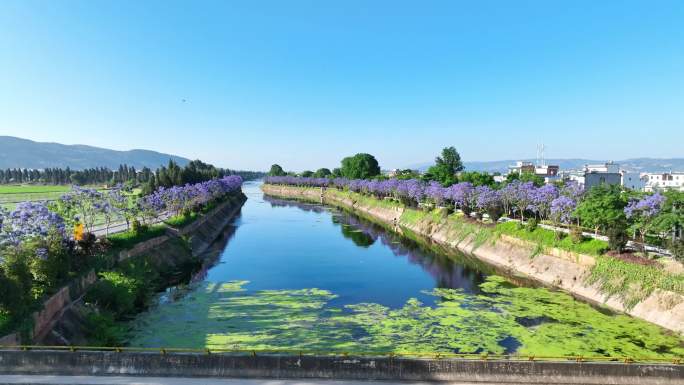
297, 352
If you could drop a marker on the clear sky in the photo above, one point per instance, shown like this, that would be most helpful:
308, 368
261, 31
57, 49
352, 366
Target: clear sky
244, 84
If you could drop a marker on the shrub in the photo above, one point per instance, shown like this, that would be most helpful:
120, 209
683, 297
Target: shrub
103, 330
139, 228
677, 249
87, 242
114, 292
617, 237
576, 234
495, 213
531, 225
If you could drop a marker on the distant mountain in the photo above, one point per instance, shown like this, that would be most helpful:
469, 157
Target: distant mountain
635, 165
24, 153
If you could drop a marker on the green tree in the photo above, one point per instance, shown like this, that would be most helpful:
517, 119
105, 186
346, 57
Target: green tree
477, 178
603, 206
446, 166
276, 170
407, 174
307, 174
322, 173
537, 180
337, 172
360, 166
670, 219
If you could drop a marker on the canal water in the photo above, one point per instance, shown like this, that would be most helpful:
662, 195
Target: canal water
300, 276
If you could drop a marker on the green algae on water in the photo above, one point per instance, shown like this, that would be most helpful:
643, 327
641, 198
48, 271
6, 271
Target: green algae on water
501, 319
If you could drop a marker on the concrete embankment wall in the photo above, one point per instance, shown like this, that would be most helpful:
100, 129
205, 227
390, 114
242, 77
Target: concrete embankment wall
60, 322
552, 267
337, 368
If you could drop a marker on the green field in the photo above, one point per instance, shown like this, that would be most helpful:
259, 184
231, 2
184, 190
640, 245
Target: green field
10, 195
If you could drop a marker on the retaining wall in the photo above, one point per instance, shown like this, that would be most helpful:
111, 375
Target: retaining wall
552, 267
163, 250
337, 368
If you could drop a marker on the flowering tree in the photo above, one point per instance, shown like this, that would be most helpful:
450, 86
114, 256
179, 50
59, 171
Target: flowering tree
524, 196
436, 193
122, 204
462, 196
541, 199
489, 201
80, 205
29, 220
642, 213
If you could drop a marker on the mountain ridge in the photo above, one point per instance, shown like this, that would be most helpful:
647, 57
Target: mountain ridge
25, 153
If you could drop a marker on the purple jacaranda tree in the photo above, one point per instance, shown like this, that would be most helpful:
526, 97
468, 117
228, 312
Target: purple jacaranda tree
29, 220
507, 194
81, 205
122, 204
541, 200
562, 209
641, 213
489, 201
524, 195
436, 193
462, 196
192, 197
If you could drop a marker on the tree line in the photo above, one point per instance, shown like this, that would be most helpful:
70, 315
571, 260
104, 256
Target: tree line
166, 176
58, 176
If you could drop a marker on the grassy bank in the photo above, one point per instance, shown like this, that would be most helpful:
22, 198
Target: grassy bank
629, 282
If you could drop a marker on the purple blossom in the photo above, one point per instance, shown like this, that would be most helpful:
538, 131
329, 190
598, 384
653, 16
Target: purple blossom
541, 199
436, 193
562, 209
647, 207
462, 194
29, 220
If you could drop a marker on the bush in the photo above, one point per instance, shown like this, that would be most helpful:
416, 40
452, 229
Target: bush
114, 292
103, 330
495, 213
139, 228
617, 237
532, 224
87, 242
677, 249
576, 235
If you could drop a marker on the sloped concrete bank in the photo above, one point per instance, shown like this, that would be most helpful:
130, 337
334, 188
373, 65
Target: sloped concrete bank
552, 267
336, 368
61, 321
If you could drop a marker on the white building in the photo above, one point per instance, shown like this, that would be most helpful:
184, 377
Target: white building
632, 180
607, 168
664, 181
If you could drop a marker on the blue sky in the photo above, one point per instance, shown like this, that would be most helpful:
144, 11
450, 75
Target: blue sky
305, 83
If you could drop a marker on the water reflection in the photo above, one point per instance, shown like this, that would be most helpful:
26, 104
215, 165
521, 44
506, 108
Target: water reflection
449, 269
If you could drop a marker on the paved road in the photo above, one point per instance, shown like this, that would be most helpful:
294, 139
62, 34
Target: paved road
117, 227
117, 380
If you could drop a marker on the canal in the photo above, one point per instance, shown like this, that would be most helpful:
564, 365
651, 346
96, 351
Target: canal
300, 276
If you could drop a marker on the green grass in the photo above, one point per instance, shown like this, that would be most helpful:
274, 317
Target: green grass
547, 238
10, 195
181, 220
630, 282
128, 239
366, 200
